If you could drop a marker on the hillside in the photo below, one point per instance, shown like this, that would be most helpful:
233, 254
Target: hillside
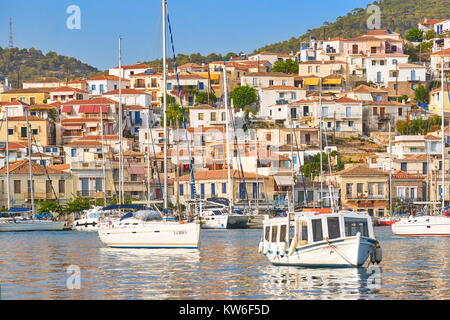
397, 15
25, 64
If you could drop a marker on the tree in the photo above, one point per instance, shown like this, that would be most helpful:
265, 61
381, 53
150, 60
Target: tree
414, 35
430, 34
402, 98
77, 205
202, 97
243, 96
49, 206
422, 94
288, 66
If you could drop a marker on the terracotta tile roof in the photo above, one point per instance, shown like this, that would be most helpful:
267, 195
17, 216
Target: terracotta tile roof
79, 120
22, 167
410, 65
97, 101
60, 167
28, 90
413, 157
77, 82
191, 65
67, 89
134, 107
366, 89
264, 154
336, 39
13, 103
15, 146
23, 118
347, 100
43, 80
361, 170
445, 52
323, 62
269, 74
446, 88
405, 175
386, 103
99, 138
84, 143
220, 175
107, 77
125, 91
186, 77
428, 22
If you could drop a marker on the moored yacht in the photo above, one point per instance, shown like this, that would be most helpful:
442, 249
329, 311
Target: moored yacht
311, 239
149, 229
89, 220
9, 223
423, 226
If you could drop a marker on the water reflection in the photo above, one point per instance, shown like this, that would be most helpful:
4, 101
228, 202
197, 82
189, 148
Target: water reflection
227, 266
316, 283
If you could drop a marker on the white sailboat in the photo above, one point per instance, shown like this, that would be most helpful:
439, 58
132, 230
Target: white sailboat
344, 239
429, 225
19, 224
154, 232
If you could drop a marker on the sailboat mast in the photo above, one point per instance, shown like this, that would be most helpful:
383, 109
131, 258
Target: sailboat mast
321, 144
8, 191
443, 134
121, 173
29, 161
227, 113
164, 36
292, 164
103, 156
390, 172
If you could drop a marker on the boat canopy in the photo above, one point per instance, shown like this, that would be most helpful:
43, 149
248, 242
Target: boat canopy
221, 201
17, 210
124, 206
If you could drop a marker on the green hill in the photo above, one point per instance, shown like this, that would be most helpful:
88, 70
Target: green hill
25, 64
397, 15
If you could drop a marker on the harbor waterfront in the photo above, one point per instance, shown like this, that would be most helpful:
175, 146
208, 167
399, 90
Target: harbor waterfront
39, 265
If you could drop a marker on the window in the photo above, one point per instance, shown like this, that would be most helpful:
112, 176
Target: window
181, 191
93, 87
23, 132
48, 186
17, 186
200, 116
213, 189
35, 132
310, 69
424, 168
169, 86
224, 116
355, 225
304, 230
349, 189
351, 124
133, 177
213, 116
324, 111
317, 230
73, 153
270, 82
281, 94
255, 82
404, 166
382, 62
394, 62
202, 190
10, 132
274, 233
283, 233
359, 188
400, 111
348, 112
269, 137
102, 88
224, 188
317, 69
334, 230
293, 95
201, 85
267, 233
395, 86
374, 62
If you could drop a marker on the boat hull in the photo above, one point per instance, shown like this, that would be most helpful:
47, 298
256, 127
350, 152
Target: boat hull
342, 252
237, 222
160, 235
423, 227
23, 226
224, 222
86, 225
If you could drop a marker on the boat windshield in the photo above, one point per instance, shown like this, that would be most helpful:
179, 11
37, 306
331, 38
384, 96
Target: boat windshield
355, 225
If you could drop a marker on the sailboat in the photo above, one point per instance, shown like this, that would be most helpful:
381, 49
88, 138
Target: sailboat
151, 230
221, 218
430, 225
19, 224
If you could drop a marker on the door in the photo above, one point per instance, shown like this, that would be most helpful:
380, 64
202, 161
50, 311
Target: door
84, 187
355, 49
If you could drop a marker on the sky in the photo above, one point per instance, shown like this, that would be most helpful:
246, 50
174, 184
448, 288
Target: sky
203, 26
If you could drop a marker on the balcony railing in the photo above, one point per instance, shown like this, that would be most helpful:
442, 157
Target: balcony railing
365, 197
92, 194
415, 79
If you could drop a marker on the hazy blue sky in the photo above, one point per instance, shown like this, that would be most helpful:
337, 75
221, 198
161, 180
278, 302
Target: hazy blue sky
203, 26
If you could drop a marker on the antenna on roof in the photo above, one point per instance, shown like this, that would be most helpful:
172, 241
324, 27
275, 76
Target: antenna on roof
11, 42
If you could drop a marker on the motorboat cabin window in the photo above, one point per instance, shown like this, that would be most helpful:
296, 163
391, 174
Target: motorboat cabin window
304, 231
334, 231
267, 234
354, 225
274, 233
283, 229
317, 230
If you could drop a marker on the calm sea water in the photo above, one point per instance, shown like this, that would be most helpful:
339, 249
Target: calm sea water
228, 266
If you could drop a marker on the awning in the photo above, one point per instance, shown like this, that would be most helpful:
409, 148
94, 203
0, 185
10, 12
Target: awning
284, 180
136, 170
332, 81
91, 124
73, 127
67, 109
93, 109
311, 82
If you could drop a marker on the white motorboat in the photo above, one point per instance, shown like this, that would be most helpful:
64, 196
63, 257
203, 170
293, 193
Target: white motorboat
19, 225
89, 221
311, 239
218, 218
149, 230
423, 226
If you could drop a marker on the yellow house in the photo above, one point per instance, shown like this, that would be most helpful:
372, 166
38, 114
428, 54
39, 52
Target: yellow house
57, 187
43, 131
436, 101
29, 96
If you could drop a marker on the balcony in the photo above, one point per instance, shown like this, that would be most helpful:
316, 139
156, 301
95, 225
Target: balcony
415, 79
366, 197
93, 194
39, 196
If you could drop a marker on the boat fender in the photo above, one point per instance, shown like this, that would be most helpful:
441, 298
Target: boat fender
378, 253
266, 247
282, 247
293, 246
372, 255
182, 222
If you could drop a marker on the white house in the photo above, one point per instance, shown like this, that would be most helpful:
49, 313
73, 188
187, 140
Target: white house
380, 68
105, 83
64, 94
278, 95
128, 71
267, 79
130, 97
272, 57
